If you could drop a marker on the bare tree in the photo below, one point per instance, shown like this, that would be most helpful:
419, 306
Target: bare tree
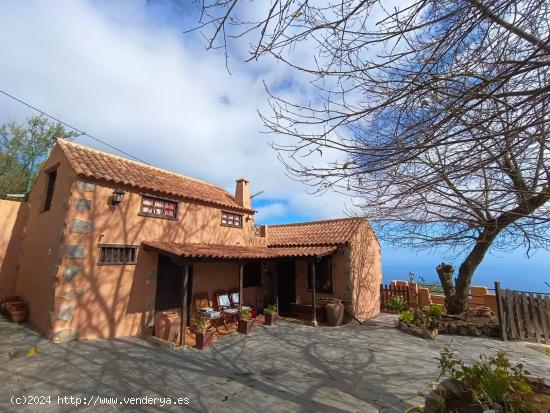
436, 111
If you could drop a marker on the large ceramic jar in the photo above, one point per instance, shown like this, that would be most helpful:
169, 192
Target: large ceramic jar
335, 312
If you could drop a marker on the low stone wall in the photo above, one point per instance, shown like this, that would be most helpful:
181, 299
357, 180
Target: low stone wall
422, 297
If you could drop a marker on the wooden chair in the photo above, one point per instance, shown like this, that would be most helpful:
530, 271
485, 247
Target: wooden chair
223, 303
202, 305
234, 297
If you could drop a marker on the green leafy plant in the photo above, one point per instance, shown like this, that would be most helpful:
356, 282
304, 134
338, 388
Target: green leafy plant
396, 303
406, 316
435, 311
245, 314
199, 323
491, 380
270, 310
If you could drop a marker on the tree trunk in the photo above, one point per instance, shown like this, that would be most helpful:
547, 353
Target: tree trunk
458, 302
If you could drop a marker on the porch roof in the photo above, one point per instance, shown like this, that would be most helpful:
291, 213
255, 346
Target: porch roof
236, 252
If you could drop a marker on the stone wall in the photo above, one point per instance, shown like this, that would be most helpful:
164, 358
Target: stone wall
422, 297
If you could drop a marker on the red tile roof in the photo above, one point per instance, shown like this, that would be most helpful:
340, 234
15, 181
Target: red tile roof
237, 252
92, 163
331, 232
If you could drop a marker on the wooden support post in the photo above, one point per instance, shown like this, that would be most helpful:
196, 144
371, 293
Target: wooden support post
276, 286
183, 326
501, 314
241, 274
313, 296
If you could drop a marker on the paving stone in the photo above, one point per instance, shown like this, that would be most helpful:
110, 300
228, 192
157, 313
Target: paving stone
290, 368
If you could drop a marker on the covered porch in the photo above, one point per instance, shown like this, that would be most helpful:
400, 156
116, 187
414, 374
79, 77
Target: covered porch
192, 276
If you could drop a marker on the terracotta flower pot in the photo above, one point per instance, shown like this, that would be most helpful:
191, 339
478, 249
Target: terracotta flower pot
245, 326
270, 320
205, 339
18, 316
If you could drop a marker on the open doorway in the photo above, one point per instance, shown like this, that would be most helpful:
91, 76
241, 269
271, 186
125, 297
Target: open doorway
286, 286
169, 297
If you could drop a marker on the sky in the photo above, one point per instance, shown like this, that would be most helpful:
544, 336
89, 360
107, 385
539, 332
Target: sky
126, 73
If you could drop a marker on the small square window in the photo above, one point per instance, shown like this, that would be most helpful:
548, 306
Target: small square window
156, 207
231, 219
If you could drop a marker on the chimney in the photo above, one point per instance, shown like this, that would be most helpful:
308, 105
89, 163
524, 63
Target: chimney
242, 193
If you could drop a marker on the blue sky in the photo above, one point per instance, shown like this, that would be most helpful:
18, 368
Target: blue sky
124, 71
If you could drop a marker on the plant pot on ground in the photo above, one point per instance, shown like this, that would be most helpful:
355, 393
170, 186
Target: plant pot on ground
19, 315
204, 335
245, 322
270, 313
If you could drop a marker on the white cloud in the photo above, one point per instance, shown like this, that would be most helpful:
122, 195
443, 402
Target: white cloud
148, 89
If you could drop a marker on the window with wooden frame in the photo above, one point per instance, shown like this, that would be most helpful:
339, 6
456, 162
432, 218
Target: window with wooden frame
231, 219
323, 276
52, 177
158, 207
117, 254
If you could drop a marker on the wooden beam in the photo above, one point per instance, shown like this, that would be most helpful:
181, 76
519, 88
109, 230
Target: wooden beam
241, 275
183, 326
501, 313
313, 296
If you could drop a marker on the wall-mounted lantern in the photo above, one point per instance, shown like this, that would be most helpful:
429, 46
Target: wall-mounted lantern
118, 196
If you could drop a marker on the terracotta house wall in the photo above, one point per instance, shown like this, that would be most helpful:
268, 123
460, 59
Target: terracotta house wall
212, 277
14, 216
43, 243
117, 300
339, 283
365, 273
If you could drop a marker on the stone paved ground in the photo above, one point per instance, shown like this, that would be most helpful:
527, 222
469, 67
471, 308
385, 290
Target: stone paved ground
288, 368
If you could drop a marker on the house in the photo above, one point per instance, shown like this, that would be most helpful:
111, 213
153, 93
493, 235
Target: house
107, 243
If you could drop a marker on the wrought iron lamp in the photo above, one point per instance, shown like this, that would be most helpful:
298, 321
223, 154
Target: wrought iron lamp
118, 196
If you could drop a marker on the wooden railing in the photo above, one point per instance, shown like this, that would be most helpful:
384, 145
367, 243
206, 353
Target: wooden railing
388, 291
523, 315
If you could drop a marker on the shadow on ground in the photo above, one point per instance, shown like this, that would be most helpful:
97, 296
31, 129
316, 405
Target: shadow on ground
287, 368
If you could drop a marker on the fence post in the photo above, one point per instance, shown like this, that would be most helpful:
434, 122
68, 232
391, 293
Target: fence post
500, 312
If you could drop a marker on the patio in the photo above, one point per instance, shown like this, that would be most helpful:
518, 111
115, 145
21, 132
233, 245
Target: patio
288, 368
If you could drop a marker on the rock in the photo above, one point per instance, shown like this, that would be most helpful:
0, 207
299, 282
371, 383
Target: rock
70, 272
449, 387
76, 251
65, 314
434, 403
474, 330
81, 226
85, 186
66, 334
83, 205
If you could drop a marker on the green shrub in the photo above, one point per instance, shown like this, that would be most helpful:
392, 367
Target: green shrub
491, 380
435, 311
199, 323
406, 316
245, 314
396, 303
270, 310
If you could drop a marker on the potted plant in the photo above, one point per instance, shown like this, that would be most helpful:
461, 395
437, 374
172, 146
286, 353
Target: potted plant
201, 326
245, 321
270, 313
